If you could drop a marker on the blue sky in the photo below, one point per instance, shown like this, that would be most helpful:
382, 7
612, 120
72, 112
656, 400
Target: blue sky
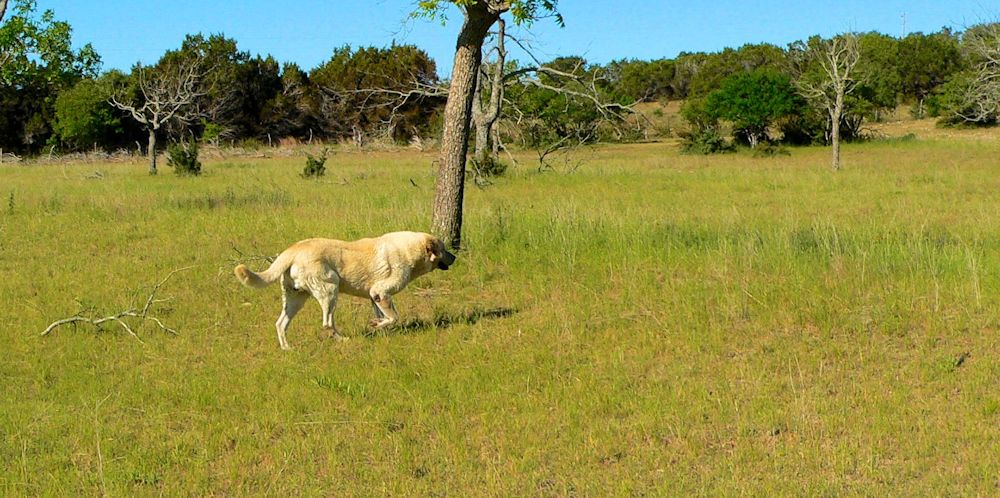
306, 31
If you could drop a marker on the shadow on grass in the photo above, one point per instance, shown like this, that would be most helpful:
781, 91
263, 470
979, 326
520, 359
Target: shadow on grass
443, 321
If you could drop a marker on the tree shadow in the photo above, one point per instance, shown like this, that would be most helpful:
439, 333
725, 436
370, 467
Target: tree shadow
443, 320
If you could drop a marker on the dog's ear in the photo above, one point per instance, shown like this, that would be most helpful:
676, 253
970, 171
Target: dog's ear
432, 251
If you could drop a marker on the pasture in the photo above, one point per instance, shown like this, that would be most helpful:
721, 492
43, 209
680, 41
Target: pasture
643, 323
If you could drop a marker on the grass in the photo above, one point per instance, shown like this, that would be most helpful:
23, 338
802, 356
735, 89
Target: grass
650, 324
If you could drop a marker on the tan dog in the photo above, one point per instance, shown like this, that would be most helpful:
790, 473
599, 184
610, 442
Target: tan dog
370, 268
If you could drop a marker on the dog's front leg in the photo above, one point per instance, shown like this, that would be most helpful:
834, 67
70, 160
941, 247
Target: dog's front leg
378, 312
385, 308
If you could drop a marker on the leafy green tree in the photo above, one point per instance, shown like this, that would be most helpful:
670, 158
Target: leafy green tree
368, 90
549, 115
296, 110
260, 82
84, 118
719, 66
37, 61
926, 62
752, 101
479, 17
879, 84
686, 68
645, 81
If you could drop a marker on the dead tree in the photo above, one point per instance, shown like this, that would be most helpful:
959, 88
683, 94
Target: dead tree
837, 59
485, 114
981, 96
167, 93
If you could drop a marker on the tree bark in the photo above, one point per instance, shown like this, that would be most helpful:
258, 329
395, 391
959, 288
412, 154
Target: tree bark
3, 8
483, 140
152, 151
486, 114
838, 110
449, 190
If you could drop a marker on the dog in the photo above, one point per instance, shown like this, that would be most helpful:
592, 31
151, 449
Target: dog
373, 268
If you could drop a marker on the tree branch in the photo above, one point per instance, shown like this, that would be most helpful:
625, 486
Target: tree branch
166, 94
142, 314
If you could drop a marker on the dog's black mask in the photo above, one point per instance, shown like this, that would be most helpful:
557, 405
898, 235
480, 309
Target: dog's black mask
447, 259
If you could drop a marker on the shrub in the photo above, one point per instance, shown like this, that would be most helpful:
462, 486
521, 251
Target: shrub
770, 150
808, 128
183, 157
485, 168
212, 132
705, 141
315, 166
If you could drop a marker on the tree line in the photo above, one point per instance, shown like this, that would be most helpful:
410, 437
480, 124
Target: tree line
55, 97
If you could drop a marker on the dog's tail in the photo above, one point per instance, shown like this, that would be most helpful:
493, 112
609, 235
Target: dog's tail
266, 277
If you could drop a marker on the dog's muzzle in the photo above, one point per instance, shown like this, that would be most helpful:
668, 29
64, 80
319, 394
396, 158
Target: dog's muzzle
447, 259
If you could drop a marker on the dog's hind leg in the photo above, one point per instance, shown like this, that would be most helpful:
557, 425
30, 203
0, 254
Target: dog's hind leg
292, 302
325, 291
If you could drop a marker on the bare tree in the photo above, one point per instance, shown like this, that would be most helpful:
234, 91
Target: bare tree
981, 96
827, 89
491, 106
486, 113
168, 93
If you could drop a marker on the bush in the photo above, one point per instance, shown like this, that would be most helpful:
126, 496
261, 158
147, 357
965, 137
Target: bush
212, 132
315, 166
183, 157
770, 150
706, 141
808, 128
488, 167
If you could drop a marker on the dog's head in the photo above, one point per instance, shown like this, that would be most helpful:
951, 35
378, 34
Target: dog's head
439, 257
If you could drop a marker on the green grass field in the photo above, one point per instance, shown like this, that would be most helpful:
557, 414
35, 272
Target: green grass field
648, 324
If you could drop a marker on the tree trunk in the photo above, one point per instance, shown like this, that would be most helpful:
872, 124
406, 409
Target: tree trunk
151, 150
838, 109
3, 8
483, 141
449, 191
486, 114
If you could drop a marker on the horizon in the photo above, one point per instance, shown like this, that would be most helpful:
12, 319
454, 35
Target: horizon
126, 38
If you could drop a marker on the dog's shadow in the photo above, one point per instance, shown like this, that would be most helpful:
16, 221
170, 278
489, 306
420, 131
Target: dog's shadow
442, 320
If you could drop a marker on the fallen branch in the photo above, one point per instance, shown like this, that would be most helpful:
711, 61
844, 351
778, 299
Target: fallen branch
143, 314
244, 258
